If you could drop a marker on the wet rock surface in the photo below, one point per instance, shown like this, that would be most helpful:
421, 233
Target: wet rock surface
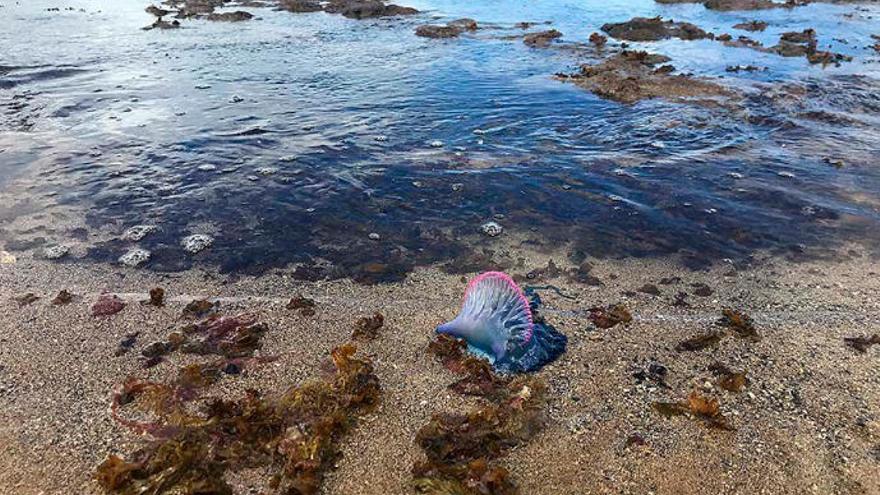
542, 39
654, 29
453, 29
631, 76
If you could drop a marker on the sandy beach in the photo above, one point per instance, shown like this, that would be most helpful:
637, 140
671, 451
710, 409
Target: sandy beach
807, 422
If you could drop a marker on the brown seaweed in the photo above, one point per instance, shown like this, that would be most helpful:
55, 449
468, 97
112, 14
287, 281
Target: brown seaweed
63, 298
699, 342
741, 324
459, 447
479, 380
696, 406
25, 299
107, 304
305, 305
732, 381
157, 297
861, 344
200, 308
295, 435
610, 316
367, 327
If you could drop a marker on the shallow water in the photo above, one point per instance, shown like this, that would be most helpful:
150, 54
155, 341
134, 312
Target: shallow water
332, 139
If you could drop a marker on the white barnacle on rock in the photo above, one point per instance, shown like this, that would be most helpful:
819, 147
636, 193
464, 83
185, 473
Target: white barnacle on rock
7, 258
138, 232
135, 257
492, 229
196, 242
56, 252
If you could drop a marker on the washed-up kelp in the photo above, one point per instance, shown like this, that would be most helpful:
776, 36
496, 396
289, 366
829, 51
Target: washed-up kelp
107, 304
294, 435
732, 381
25, 299
367, 327
227, 336
861, 344
64, 297
200, 308
700, 342
479, 380
157, 297
741, 324
305, 305
497, 321
610, 316
459, 448
698, 407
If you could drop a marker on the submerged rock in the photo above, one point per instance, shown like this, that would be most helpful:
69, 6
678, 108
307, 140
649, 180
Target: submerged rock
135, 257
654, 29
542, 39
160, 24
236, 16
196, 243
630, 76
451, 30
751, 26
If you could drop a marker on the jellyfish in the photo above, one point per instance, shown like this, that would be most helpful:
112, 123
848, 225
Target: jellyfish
498, 323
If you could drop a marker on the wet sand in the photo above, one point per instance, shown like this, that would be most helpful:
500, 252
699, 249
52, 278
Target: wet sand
809, 421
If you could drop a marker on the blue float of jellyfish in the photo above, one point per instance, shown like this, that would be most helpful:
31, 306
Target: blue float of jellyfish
496, 320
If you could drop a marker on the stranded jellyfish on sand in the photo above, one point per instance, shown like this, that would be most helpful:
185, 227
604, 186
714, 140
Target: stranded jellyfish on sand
496, 320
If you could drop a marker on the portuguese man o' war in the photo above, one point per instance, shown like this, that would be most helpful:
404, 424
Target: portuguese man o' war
497, 322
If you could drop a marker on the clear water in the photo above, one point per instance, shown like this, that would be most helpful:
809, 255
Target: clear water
100, 116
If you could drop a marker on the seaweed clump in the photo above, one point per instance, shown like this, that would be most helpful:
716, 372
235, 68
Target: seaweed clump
460, 447
157, 297
861, 344
741, 324
367, 327
610, 316
732, 381
226, 336
706, 409
305, 305
64, 297
293, 435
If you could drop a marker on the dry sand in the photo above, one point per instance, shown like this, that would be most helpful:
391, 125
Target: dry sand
809, 422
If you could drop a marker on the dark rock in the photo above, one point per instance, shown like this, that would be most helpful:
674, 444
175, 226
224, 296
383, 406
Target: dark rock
653, 29
630, 76
598, 39
299, 6
237, 16
367, 9
542, 39
751, 26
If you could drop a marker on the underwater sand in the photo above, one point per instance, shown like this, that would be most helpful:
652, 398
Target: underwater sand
808, 422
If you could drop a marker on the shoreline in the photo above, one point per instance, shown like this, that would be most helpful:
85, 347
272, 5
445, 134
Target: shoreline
807, 422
